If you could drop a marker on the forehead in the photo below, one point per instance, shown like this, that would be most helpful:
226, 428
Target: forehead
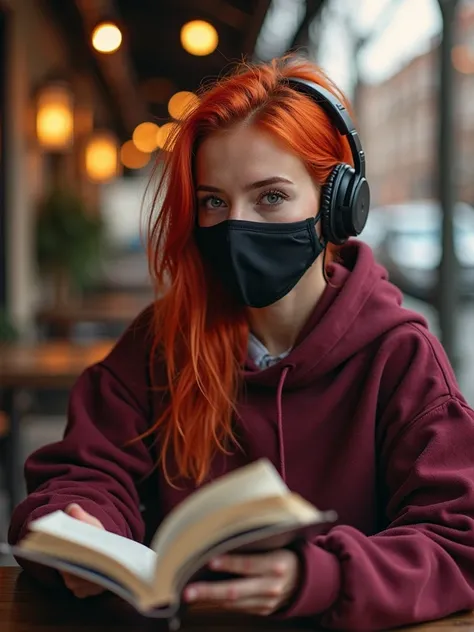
245, 152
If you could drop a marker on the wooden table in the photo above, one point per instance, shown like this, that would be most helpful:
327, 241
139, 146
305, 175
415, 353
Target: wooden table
24, 607
54, 365
115, 308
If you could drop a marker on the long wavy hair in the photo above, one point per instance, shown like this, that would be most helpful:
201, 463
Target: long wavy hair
200, 333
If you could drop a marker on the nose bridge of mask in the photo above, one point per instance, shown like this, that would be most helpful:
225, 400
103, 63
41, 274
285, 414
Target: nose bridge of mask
243, 249
238, 226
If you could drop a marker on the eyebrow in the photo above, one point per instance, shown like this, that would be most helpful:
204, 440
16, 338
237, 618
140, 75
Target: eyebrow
255, 185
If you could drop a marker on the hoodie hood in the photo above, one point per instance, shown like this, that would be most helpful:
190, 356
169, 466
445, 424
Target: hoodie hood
358, 306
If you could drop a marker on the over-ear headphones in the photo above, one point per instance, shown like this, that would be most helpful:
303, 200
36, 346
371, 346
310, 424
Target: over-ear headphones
345, 197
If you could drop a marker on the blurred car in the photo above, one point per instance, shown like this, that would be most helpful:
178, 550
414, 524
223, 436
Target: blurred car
406, 240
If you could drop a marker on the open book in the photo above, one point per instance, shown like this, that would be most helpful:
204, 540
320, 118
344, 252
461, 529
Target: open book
248, 509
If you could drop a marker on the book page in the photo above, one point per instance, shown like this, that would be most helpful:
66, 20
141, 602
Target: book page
137, 558
69, 567
251, 482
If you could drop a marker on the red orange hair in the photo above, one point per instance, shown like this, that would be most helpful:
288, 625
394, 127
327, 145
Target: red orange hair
200, 335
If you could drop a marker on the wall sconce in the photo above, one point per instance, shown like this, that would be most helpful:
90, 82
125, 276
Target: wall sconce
55, 118
101, 157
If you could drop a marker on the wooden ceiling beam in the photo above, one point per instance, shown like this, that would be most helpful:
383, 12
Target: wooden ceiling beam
224, 12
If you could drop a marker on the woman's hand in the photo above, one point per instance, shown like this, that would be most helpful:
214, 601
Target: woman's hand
268, 582
80, 587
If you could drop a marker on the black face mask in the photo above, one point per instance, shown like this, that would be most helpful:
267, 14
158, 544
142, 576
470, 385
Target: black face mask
259, 262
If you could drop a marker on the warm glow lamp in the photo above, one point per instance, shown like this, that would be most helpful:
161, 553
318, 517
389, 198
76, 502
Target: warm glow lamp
166, 136
131, 157
106, 37
199, 38
102, 157
144, 136
182, 103
55, 118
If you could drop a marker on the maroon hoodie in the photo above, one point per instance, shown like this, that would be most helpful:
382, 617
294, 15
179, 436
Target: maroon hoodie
364, 416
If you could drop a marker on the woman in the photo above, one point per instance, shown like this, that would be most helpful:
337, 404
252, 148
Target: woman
275, 338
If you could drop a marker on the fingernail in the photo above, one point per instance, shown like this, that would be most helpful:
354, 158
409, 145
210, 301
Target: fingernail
190, 594
72, 507
217, 563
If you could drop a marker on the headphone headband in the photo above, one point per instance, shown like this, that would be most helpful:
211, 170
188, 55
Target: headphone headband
338, 114
345, 196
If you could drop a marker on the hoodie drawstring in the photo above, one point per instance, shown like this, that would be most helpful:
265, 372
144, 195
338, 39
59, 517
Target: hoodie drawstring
281, 442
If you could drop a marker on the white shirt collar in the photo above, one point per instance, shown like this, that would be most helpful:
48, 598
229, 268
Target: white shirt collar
260, 355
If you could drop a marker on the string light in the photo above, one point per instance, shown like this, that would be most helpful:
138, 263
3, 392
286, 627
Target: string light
182, 103
166, 136
131, 157
145, 137
106, 37
199, 38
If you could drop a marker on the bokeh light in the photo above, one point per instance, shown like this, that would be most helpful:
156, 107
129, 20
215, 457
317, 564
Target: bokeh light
199, 38
55, 118
145, 137
106, 37
131, 157
182, 103
102, 157
166, 136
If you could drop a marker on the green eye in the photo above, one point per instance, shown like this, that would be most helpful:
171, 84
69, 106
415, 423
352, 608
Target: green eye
272, 198
211, 202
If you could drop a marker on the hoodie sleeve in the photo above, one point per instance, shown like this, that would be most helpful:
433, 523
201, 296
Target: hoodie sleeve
421, 566
94, 465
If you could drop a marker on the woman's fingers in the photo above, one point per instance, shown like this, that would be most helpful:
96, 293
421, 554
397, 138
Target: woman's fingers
234, 590
265, 583
77, 512
273, 563
81, 588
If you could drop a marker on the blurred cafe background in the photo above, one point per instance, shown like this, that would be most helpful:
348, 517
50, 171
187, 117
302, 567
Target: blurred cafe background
89, 91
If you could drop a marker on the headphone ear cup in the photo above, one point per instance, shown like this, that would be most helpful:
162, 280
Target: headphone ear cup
326, 208
358, 208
